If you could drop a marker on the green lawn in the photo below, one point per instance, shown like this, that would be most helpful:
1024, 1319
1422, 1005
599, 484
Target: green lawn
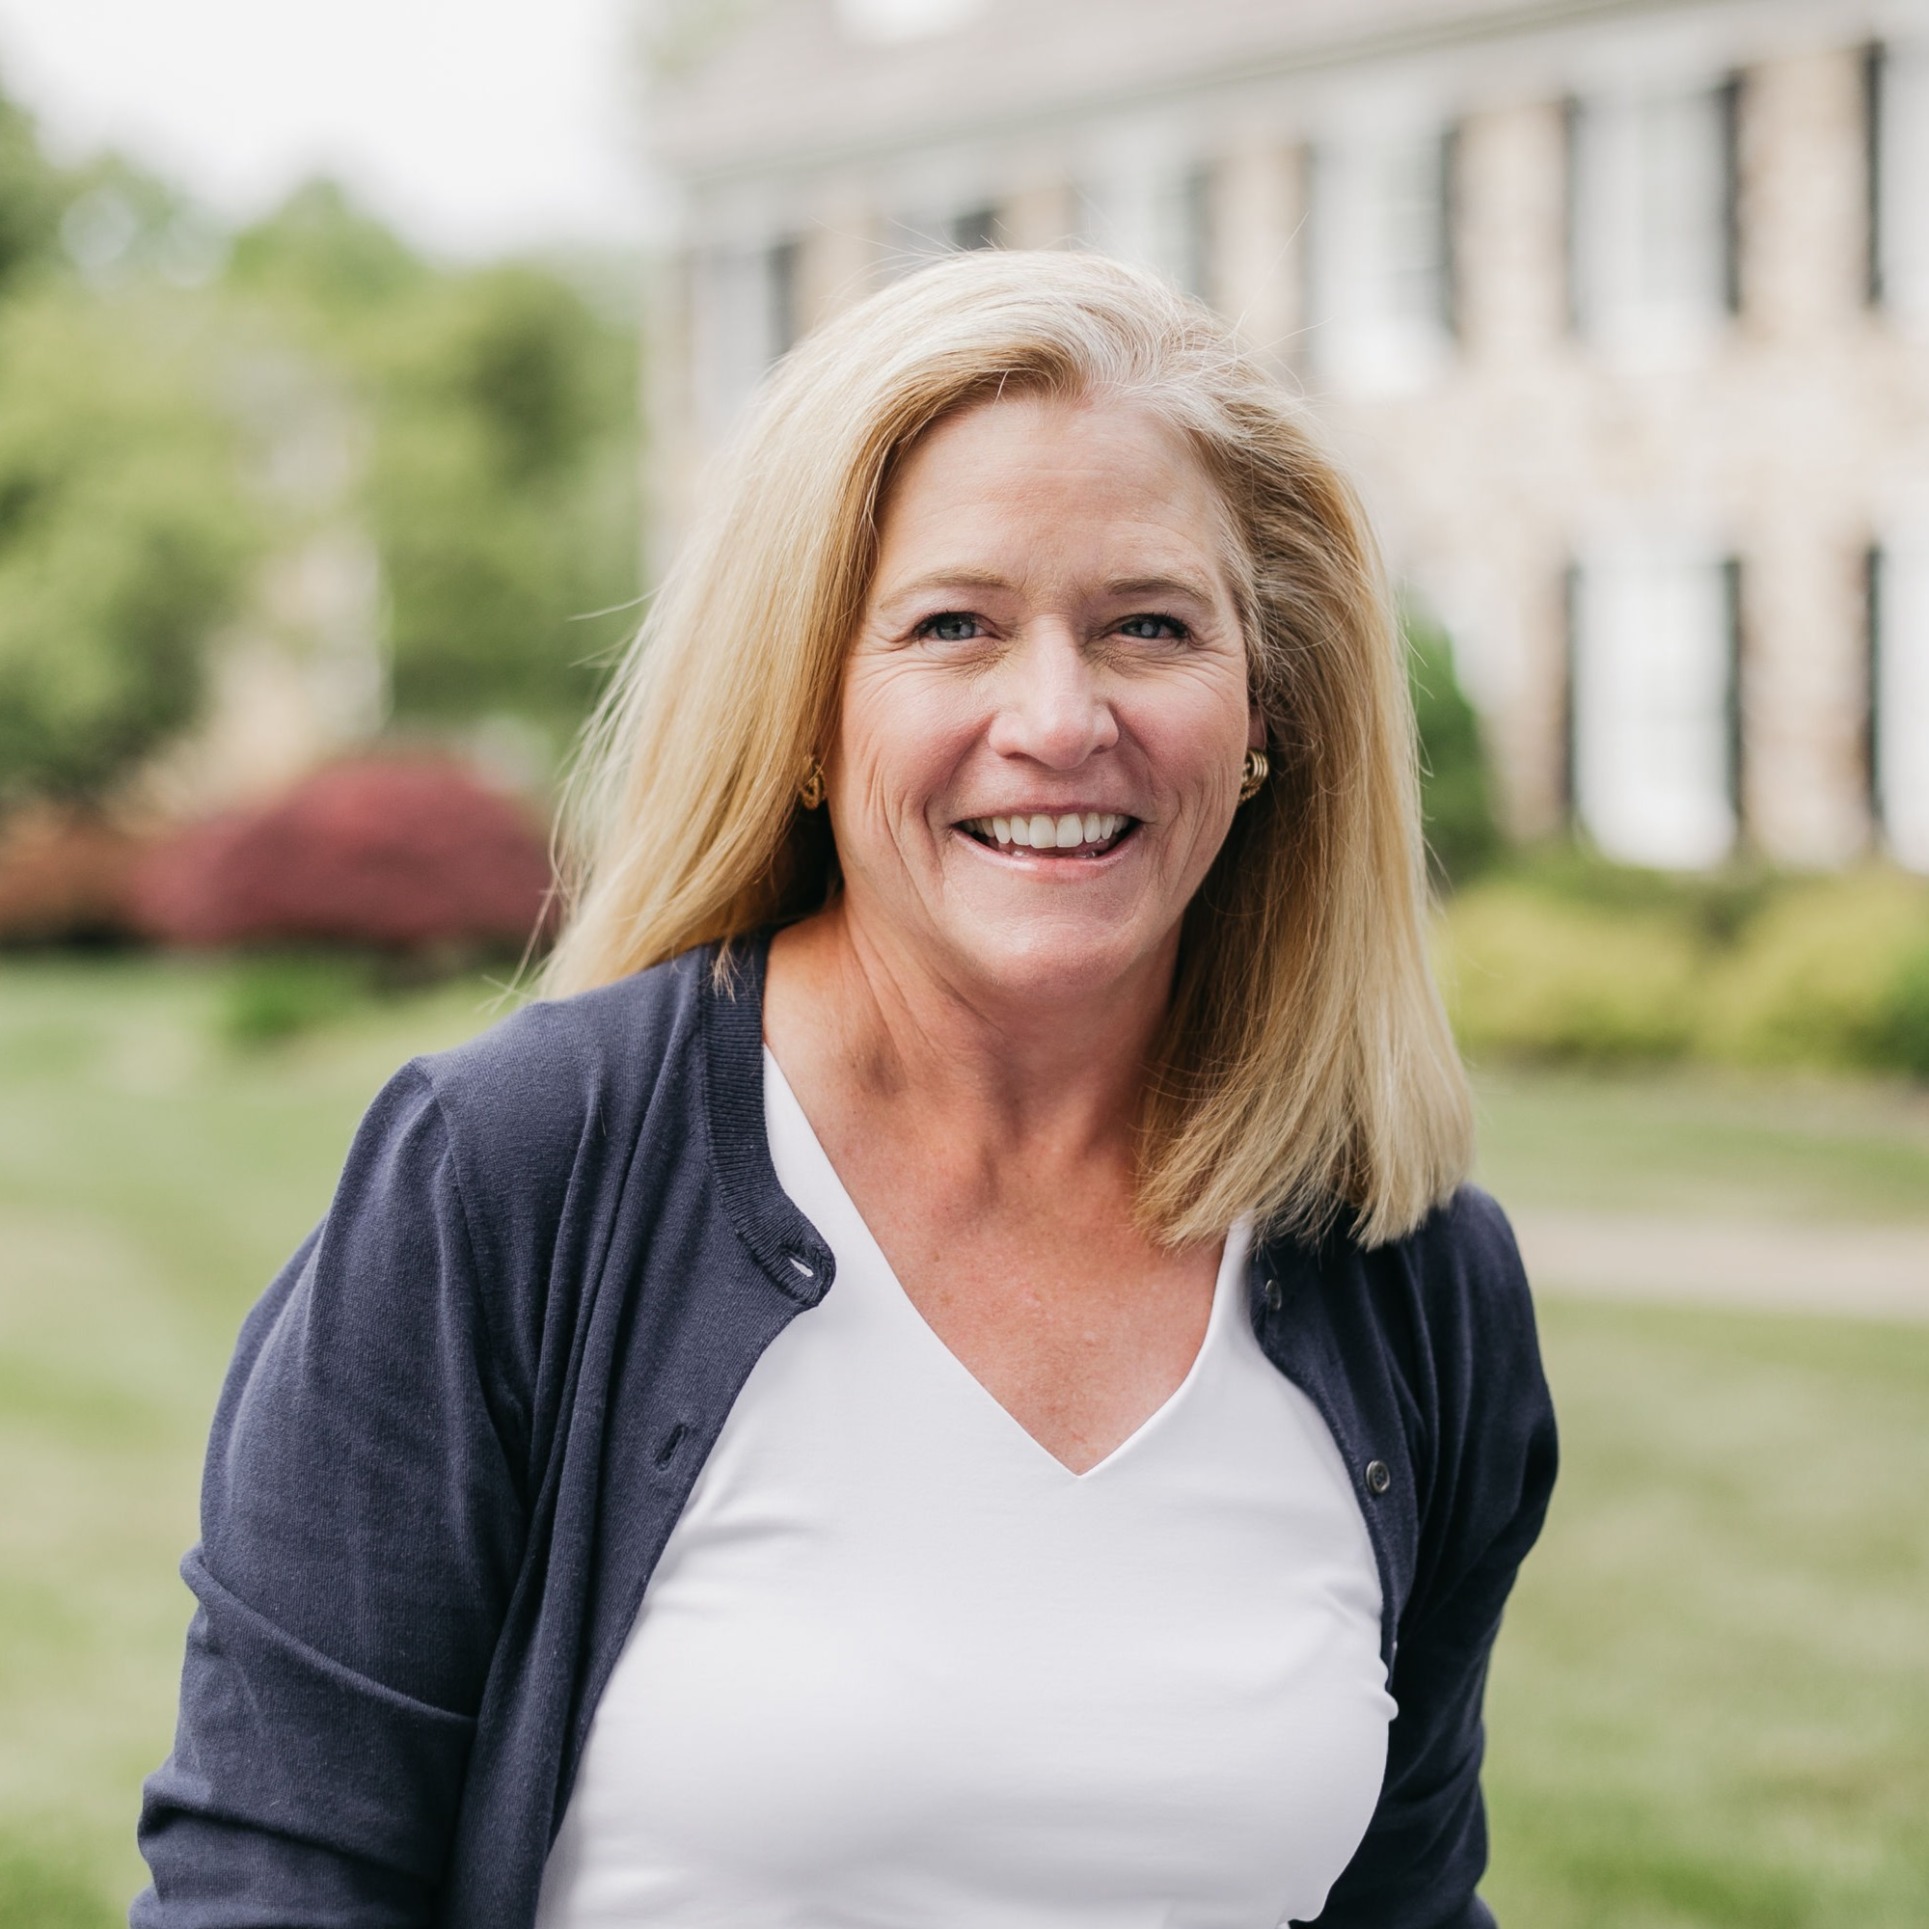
1697, 1141
1712, 1705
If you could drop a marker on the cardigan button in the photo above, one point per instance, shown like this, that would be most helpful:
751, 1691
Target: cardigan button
1274, 1296
1378, 1477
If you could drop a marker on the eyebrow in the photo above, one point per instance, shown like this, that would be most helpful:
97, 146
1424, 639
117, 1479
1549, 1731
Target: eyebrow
1156, 586
1122, 587
948, 579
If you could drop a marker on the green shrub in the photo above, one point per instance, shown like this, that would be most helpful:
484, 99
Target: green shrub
1903, 1033
1567, 957
1531, 974
1812, 980
1715, 905
277, 995
1463, 838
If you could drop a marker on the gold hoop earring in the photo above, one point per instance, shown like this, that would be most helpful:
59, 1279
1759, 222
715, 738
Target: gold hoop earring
810, 793
1257, 765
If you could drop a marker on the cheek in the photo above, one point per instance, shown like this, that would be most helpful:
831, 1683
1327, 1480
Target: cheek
900, 734
1193, 731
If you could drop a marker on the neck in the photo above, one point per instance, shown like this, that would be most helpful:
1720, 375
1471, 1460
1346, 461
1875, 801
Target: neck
1058, 1070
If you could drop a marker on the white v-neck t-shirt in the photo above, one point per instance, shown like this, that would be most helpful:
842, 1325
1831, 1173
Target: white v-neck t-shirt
898, 1667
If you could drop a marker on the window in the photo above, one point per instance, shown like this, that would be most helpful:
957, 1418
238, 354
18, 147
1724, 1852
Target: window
1899, 699
745, 315
1653, 689
1653, 251
975, 228
1899, 178
1382, 267
1144, 207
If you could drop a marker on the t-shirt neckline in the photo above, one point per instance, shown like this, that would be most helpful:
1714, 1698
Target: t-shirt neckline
871, 1258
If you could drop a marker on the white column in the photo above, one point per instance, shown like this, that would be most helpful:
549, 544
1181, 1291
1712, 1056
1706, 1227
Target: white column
1259, 207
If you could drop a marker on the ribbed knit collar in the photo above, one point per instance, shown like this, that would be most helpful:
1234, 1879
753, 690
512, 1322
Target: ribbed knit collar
781, 1240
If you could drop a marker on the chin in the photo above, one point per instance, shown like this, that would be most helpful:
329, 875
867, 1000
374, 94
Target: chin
1053, 955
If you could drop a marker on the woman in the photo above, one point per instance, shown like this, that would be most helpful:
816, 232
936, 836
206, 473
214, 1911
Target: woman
1003, 900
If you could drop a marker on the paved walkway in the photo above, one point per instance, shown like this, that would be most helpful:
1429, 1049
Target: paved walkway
1873, 1272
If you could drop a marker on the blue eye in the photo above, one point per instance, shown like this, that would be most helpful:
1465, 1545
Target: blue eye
1153, 629
949, 626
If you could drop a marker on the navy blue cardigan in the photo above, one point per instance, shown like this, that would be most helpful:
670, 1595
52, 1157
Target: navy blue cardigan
461, 1423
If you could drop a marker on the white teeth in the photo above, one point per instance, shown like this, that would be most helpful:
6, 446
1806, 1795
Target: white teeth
1044, 833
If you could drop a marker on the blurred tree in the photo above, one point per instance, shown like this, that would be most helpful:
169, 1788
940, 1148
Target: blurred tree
32, 195
502, 487
321, 254
504, 496
497, 474
120, 224
125, 537
1463, 837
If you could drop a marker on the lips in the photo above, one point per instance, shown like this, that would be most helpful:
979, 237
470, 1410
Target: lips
1088, 833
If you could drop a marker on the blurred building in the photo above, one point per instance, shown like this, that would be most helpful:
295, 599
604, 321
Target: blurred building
1618, 308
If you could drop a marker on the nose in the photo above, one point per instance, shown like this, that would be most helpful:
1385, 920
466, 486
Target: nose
1051, 706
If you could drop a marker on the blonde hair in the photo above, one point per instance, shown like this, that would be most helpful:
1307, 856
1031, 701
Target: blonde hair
1306, 1069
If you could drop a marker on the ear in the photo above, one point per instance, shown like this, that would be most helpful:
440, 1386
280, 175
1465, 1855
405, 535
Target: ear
1255, 728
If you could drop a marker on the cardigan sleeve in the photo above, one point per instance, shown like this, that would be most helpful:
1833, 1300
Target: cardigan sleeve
362, 1525
1495, 1459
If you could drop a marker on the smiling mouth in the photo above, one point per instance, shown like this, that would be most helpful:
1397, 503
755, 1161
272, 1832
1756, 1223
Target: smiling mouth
1043, 834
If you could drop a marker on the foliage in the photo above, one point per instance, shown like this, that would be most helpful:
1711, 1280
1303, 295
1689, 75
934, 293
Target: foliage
1903, 1037
31, 195
1540, 977
405, 854
1714, 905
122, 225
491, 415
1568, 959
278, 995
502, 485
64, 877
125, 537
321, 256
1463, 837
504, 497
1810, 979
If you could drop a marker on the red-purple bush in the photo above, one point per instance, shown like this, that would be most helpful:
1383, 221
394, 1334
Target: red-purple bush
398, 853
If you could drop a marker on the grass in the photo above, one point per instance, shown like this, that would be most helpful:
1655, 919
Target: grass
1712, 1703
153, 1174
1706, 1143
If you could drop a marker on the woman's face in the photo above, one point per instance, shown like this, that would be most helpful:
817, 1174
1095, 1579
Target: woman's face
1045, 708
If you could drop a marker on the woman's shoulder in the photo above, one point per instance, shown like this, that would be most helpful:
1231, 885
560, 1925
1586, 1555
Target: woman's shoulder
1444, 1313
1465, 1251
1455, 1290
536, 1118
563, 1063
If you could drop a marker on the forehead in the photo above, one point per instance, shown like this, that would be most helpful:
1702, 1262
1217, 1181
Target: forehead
1039, 468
